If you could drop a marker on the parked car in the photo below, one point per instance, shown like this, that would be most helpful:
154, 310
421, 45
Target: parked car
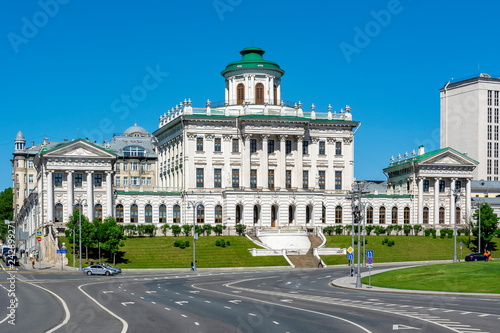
98, 270
476, 257
118, 270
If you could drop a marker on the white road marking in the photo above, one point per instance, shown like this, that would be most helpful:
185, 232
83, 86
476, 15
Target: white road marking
183, 315
127, 303
252, 314
227, 307
132, 294
275, 322
403, 327
235, 301
286, 300
197, 323
483, 315
182, 302
151, 291
208, 302
167, 309
108, 291
153, 302
142, 297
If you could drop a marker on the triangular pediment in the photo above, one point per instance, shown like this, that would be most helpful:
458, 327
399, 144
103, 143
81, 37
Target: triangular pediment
450, 157
79, 148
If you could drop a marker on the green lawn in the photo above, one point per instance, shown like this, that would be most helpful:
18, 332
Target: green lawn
467, 277
405, 248
159, 252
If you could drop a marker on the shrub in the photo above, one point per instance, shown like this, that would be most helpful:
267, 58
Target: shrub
186, 229
177, 243
427, 232
328, 230
433, 232
217, 243
222, 243
240, 229
416, 229
338, 229
379, 230
390, 243
369, 228
407, 229
443, 233
218, 228
176, 230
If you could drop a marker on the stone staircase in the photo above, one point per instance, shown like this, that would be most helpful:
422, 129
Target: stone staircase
307, 260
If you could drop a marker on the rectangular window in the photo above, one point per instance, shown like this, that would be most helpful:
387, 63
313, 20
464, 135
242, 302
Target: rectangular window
253, 145
125, 181
117, 181
490, 115
235, 178
134, 181
305, 179
148, 167
218, 178
117, 167
496, 150
458, 185
338, 180
496, 115
321, 147
30, 164
135, 166
217, 144
58, 177
305, 147
496, 133
30, 179
496, 98
199, 144
495, 167
199, 177
288, 179
270, 179
442, 185
78, 179
488, 150
253, 178
149, 181
288, 146
98, 179
143, 181
490, 92
236, 145
125, 166
338, 148
321, 179
270, 146
490, 136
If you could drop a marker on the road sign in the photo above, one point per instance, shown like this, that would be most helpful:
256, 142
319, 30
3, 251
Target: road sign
369, 266
350, 256
369, 260
62, 251
370, 253
39, 233
350, 249
39, 239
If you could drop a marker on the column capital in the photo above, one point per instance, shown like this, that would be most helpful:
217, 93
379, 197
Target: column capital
265, 137
283, 137
246, 137
299, 137
70, 171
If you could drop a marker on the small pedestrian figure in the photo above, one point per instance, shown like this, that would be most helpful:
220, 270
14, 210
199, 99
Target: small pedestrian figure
192, 266
320, 264
33, 262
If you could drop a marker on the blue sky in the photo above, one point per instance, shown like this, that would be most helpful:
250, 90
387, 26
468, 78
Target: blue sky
68, 65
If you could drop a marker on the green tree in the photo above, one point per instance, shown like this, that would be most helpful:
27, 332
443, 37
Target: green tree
218, 228
88, 231
416, 229
407, 229
6, 211
113, 237
240, 229
328, 230
176, 230
369, 228
489, 225
164, 229
338, 229
207, 229
379, 230
186, 229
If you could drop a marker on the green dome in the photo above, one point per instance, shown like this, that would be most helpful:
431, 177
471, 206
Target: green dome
252, 58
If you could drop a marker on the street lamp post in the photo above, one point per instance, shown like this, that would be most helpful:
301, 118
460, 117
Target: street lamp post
80, 238
479, 234
195, 235
456, 197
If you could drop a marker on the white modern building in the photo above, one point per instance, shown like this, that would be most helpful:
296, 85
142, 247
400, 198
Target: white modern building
470, 121
253, 158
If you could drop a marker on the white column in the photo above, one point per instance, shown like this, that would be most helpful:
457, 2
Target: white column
452, 202
109, 195
420, 204
247, 89
436, 200
69, 176
252, 89
246, 161
313, 171
280, 172
468, 197
297, 180
50, 197
90, 191
330, 172
264, 163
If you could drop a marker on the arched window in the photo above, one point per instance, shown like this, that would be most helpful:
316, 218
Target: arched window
308, 214
274, 216
98, 212
406, 215
119, 213
457, 215
238, 214
58, 213
425, 216
240, 93
369, 215
200, 214
148, 213
218, 214
381, 215
134, 213
394, 215
259, 93
338, 214
163, 213
291, 215
323, 214
256, 214
441, 215
176, 214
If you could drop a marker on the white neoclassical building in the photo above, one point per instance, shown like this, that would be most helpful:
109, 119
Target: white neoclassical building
253, 158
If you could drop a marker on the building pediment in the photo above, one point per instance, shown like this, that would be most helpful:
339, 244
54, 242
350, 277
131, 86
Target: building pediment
448, 157
79, 148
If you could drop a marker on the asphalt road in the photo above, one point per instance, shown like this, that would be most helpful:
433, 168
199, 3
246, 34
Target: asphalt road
228, 301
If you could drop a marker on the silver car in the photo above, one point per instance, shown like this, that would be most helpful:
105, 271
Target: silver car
98, 270
118, 270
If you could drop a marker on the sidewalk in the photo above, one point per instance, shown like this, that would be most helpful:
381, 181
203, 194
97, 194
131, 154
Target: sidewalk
44, 266
349, 282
